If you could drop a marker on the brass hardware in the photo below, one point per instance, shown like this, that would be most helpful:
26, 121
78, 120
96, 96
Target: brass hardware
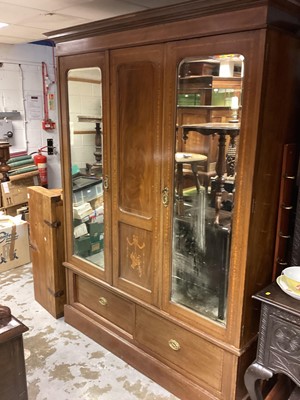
282, 263
284, 236
102, 301
174, 344
32, 247
165, 197
54, 224
59, 293
286, 207
289, 177
106, 182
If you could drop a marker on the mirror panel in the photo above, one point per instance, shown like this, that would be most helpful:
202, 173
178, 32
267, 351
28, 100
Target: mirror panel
85, 121
209, 106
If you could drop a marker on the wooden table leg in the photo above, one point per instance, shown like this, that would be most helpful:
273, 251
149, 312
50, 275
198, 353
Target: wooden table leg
180, 200
220, 170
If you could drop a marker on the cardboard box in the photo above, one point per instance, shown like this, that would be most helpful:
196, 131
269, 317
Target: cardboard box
14, 243
95, 247
82, 246
15, 192
95, 229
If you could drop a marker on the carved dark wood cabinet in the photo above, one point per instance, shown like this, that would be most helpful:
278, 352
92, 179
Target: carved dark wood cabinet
13, 383
278, 350
168, 239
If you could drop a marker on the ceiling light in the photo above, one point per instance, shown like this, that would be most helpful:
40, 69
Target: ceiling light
3, 25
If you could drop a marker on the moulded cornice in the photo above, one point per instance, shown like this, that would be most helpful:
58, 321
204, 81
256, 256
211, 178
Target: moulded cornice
284, 13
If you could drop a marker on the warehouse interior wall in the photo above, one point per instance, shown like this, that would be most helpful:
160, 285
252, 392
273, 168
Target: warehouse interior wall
28, 99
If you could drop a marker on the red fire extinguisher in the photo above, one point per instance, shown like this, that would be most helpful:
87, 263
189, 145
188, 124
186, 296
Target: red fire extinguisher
41, 162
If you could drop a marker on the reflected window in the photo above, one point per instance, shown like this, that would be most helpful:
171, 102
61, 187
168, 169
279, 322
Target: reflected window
209, 108
85, 120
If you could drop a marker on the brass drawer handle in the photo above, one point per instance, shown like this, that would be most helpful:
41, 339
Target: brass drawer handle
174, 344
102, 301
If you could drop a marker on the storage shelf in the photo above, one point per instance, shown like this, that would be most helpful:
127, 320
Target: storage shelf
10, 114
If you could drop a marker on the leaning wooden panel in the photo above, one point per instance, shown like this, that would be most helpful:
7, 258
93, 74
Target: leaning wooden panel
46, 239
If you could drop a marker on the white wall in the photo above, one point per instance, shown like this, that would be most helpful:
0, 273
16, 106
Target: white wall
21, 89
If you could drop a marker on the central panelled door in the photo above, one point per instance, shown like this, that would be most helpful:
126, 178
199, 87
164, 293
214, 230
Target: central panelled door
136, 121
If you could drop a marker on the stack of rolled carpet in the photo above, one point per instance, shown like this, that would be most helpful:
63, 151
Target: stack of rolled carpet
21, 165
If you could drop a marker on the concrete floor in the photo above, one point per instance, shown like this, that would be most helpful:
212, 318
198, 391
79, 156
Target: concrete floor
63, 363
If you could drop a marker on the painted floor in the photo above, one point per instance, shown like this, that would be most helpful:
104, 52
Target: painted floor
61, 362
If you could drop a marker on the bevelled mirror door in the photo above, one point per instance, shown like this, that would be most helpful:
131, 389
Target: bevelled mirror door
85, 121
209, 108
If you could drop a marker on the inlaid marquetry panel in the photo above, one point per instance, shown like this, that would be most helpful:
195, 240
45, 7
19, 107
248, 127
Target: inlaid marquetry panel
135, 255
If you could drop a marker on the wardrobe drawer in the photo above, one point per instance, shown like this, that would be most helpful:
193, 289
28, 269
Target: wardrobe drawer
193, 356
105, 303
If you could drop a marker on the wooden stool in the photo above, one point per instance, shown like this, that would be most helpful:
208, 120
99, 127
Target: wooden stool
186, 158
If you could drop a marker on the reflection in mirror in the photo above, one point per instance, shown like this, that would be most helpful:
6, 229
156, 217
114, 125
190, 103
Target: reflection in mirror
209, 106
85, 119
